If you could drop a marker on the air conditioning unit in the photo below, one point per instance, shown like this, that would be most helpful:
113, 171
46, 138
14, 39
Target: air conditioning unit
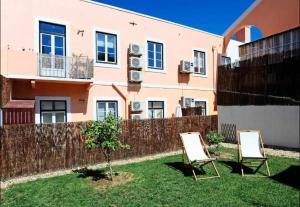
136, 116
136, 106
186, 67
187, 102
135, 49
135, 63
135, 76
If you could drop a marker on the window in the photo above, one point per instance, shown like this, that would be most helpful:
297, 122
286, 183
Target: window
104, 107
155, 55
53, 111
203, 106
225, 60
52, 39
155, 109
199, 62
106, 48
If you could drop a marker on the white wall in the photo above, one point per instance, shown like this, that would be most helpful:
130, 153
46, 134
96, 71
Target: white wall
279, 124
232, 50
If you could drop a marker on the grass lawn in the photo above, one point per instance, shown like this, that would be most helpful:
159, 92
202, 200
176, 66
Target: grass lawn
166, 182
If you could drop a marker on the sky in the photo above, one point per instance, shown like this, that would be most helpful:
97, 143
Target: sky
213, 16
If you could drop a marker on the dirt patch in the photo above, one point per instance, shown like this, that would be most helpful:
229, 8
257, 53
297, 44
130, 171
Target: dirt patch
226, 155
119, 178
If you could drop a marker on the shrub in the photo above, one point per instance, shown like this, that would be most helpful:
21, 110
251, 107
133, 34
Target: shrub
214, 138
105, 135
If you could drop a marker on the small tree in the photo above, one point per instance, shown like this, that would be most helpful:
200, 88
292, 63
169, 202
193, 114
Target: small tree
214, 138
105, 135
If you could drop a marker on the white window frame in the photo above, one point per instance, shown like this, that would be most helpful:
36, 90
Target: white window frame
118, 49
206, 101
105, 98
164, 65
156, 99
38, 100
206, 65
39, 19
53, 116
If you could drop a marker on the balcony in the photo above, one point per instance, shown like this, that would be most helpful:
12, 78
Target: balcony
75, 67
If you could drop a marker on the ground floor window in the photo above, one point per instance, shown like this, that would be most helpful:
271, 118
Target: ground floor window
203, 105
53, 111
104, 107
156, 109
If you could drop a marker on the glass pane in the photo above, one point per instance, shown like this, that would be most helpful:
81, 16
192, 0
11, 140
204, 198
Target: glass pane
100, 110
46, 105
111, 41
158, 104
110, 50
100, 40
46, 50
158, 113
101, 49
46, 39
150, 62
150, 46
46, 117
158, 48
59, 51
150, 105
151, 55
52, 28
59, 41
59, 117
112, 107
111, 57
158, 56
196, 59
158, 64
60, 105
101, 56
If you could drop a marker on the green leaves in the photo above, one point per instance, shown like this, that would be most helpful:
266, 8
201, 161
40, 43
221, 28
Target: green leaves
214, 137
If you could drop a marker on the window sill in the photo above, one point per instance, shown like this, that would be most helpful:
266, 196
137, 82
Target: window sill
155, 70
107, 65
199, 75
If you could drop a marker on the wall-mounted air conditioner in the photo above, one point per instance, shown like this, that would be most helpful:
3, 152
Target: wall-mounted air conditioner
135, 49
135, 63
136, 116
136, 106
135, 76
187, 102
186, 67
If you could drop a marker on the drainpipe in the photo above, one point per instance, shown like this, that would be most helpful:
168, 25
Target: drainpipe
125, 97
214, 48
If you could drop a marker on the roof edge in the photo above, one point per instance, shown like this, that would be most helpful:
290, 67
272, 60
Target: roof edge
243, 15
150, 17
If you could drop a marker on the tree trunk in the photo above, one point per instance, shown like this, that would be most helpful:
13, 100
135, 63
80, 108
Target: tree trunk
109, 165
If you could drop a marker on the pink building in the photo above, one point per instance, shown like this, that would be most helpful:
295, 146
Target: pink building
78, 60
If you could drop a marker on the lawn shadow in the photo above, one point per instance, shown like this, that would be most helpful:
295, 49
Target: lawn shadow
185, 169
235, 167
95, 174
289, 176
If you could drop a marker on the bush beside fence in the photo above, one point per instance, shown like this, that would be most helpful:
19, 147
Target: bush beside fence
31, 149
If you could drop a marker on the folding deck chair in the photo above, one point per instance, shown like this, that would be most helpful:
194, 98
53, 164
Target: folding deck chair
196, 152
251, 148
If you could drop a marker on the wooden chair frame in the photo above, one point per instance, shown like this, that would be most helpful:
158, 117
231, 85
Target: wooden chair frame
261, 160
199, 163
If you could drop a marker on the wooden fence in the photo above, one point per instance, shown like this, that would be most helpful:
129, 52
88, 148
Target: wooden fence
259, 82
31, 149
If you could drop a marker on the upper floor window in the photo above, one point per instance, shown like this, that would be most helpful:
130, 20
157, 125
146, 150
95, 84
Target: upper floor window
225, 60
106, 107
52, 39
53, 111
106, 48
199, 62
156, 109
155, 55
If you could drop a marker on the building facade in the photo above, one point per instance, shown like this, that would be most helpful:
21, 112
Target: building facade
73, 59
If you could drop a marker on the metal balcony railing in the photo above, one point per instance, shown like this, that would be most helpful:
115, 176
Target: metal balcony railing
75, 67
